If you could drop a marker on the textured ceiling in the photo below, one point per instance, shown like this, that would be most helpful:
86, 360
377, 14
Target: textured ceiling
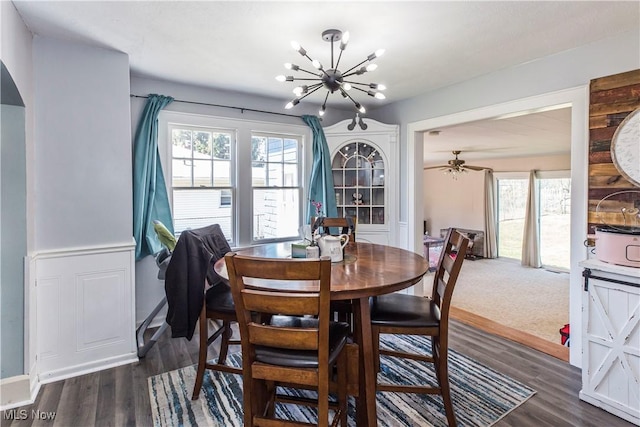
535, 134
242, 45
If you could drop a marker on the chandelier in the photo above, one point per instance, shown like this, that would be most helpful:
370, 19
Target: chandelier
332, 79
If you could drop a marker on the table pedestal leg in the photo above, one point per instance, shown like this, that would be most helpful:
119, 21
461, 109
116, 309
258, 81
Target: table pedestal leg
366, 402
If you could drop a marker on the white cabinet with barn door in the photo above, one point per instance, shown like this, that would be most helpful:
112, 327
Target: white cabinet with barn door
365, 177
611, 338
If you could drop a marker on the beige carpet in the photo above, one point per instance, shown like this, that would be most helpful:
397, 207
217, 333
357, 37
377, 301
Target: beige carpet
533, 300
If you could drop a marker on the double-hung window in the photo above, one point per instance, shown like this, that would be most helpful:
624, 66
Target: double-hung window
201, 177
275, 174
244, 175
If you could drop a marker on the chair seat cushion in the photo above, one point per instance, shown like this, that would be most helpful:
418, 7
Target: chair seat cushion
404, 310
338, 332
220, 299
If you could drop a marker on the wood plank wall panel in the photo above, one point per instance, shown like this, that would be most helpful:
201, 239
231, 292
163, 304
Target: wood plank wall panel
611, 99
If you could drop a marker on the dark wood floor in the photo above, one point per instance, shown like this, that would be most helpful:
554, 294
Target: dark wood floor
119, 396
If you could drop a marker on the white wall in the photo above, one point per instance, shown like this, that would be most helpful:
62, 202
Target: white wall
83, 148
459, 202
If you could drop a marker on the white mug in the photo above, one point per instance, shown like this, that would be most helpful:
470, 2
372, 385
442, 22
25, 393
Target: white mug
313, 252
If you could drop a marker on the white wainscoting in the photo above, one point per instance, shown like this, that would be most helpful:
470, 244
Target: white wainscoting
402, 239
85, 310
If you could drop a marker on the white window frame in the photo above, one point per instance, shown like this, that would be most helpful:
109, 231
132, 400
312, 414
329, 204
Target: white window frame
242, 210
299, 187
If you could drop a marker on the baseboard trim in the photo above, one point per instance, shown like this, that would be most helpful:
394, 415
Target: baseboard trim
556, 350
87, 368
15, 392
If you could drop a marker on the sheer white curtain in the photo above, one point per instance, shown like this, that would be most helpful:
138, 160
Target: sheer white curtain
490, 220
531, 238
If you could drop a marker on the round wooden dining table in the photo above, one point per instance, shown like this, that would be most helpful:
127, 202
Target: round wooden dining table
367, 270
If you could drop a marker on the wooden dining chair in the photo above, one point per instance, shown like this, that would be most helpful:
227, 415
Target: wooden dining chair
189, 273
413, 315
218, 308
287, 337
346, 225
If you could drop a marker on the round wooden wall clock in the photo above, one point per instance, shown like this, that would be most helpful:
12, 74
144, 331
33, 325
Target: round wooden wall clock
625, 148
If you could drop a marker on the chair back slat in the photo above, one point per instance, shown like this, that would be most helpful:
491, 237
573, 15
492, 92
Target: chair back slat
273, 269
448, 263
291, 338
281, 303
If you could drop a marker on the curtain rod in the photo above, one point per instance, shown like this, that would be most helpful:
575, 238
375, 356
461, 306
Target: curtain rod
224, 106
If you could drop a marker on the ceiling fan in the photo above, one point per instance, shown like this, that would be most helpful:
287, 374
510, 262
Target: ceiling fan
456, 166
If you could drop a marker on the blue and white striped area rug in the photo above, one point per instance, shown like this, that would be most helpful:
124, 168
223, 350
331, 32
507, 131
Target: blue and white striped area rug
481, 396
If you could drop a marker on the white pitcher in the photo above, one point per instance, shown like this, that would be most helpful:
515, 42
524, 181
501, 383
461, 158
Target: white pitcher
332, 246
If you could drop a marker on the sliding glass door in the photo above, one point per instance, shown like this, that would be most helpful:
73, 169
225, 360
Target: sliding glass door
512, 202
554, 217
554, 210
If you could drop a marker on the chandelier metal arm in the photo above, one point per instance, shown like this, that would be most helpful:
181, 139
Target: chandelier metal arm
323, 108
373, 93
357, 104
360, 83
304, 53
348, 72
361, 90
308, 72
308, 93
338, 61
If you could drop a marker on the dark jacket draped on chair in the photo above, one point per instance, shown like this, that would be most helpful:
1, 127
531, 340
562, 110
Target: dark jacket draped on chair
192, 262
